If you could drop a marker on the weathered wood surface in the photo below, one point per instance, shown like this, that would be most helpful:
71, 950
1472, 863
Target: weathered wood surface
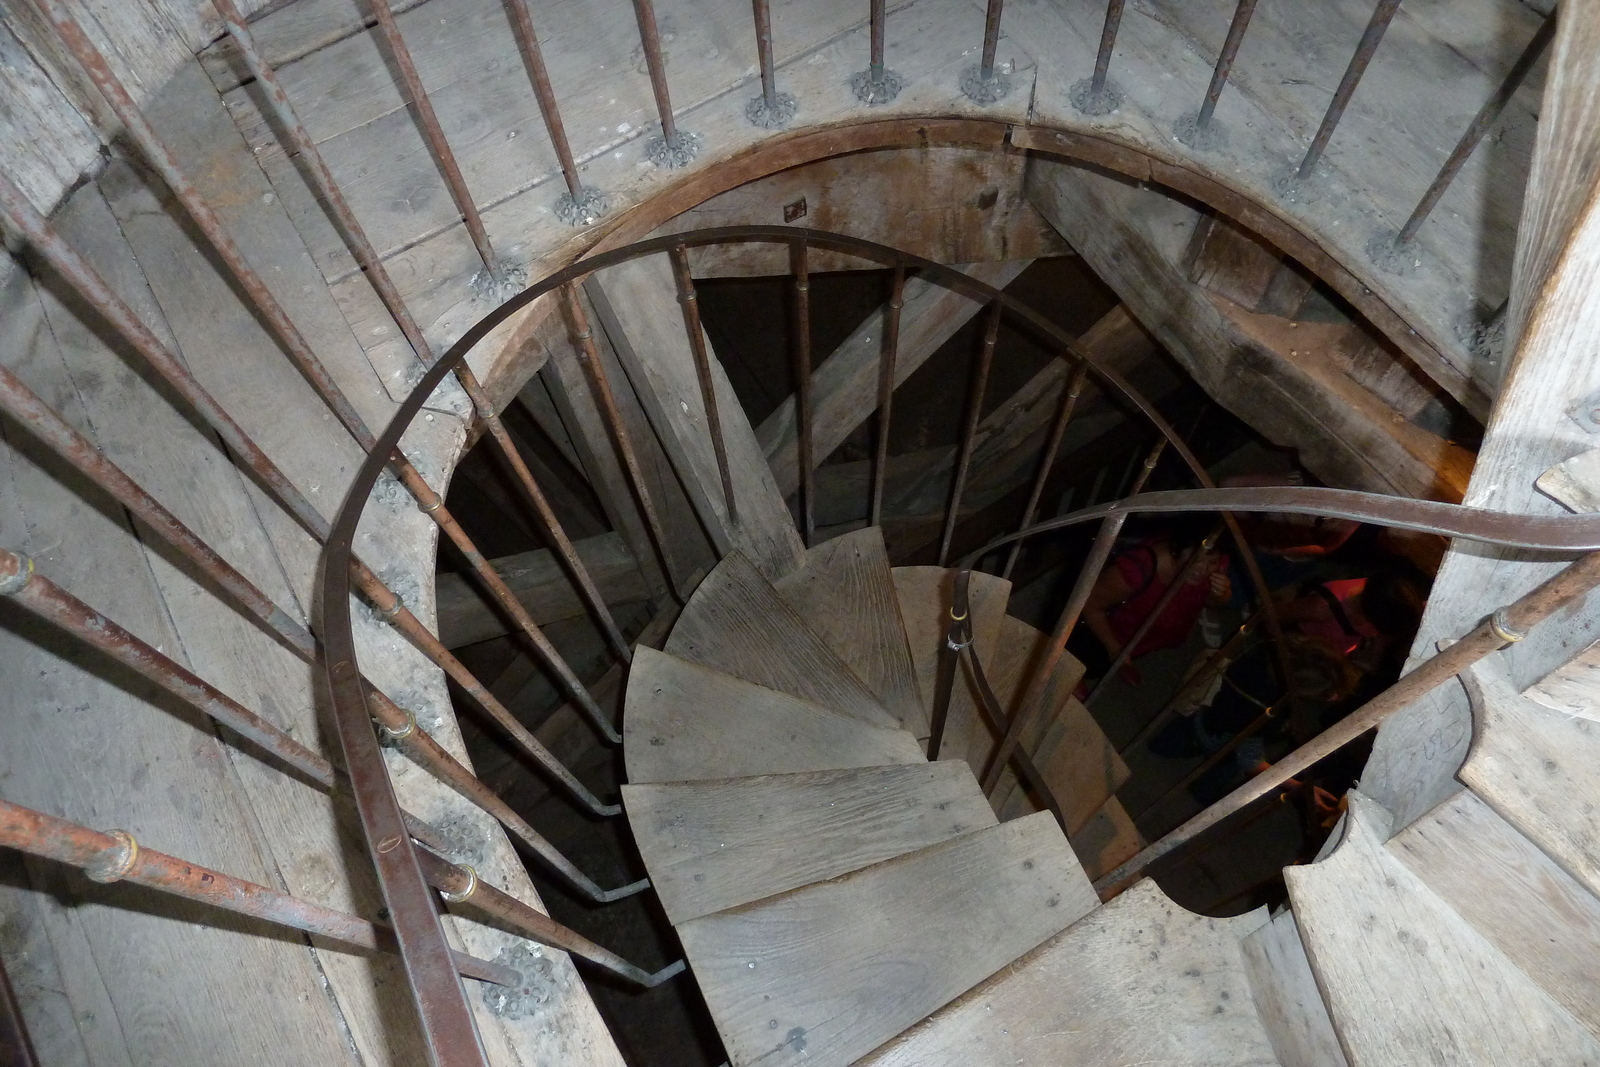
709, 846
1288, 1001
1135, 238
685, 722
1540, 769
737, 623
1554, 316
1107, 840
1139, 980
925, 595
1536, 914
846, 594
638, 304
845, 384
1407, 979
842, 966
466, 615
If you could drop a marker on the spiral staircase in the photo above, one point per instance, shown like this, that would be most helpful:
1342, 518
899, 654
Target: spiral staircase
838, 898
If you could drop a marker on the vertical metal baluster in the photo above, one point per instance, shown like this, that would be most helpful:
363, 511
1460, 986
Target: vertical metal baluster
802, 376
327, 187
1097, 95
980, 83
1047, 459
1099, 553
497, 276
975, 396
702, 370
16, 1047
771, 110
606, 400
958, 635
1370, 39
877, 84
886, 374
1480, 126
1193, 129
674, 147
578, 206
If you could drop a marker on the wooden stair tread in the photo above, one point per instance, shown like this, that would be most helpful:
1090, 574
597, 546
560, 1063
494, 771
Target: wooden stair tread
1106, 840
715, 845
737, 623
845, 593
1139, 981
825, 974
1408, 980
1514, 895
1288, 1001
925, 596
683, 721
1540, 769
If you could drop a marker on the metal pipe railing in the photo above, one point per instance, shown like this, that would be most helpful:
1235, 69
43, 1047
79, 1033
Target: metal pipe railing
976, 393
803, 413
887, 360
982, 84
1192, 134
16, 1045
1370, 39
1260, 722
771, 110
1095, 95
674, 147
877, 84
688, 301
1216, 663
1047, 459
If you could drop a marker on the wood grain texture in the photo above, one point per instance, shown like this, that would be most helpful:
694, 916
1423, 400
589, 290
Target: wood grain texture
1407, 979
737, 623
1540, 769
845, 592
925, 597
1139, 981
683, 722
842, 966
715, 845
1536, 914
1288, 1001
1106, 840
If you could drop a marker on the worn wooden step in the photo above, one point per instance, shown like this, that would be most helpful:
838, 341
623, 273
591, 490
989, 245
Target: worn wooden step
715, 845
1540, 769
737, 623
845, 593
683, 722
1407, 979
925, 596
1288, 1001
1536, 914
1140, 981
1107, 840
825, 974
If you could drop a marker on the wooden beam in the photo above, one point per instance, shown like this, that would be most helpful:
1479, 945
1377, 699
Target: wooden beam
638, 305
844, 384
466, 616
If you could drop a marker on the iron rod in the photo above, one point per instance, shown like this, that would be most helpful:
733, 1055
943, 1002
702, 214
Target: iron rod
991, 39
390, 607
589, 355
702, 370
886, 374
1047, 459
1487, 637
1108, 41
1256, 725
976, 392
769, 80
1039, 682
1218, 661
433, 133
802, 377
463, 886
958, 635
650, 36
1370, 39
118, 857
1475, 132
877, 18
1230, 51
539, 75
16, 1047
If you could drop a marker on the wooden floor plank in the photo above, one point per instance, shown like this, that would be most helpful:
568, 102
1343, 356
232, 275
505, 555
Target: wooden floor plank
683, 722
1106, 840
715, 845
737, 623
1408, 980
1287, 998
824, 974
844, 590
1140, 981
925, 597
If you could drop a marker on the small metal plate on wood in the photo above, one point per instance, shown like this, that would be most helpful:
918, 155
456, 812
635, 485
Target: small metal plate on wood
795, 211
